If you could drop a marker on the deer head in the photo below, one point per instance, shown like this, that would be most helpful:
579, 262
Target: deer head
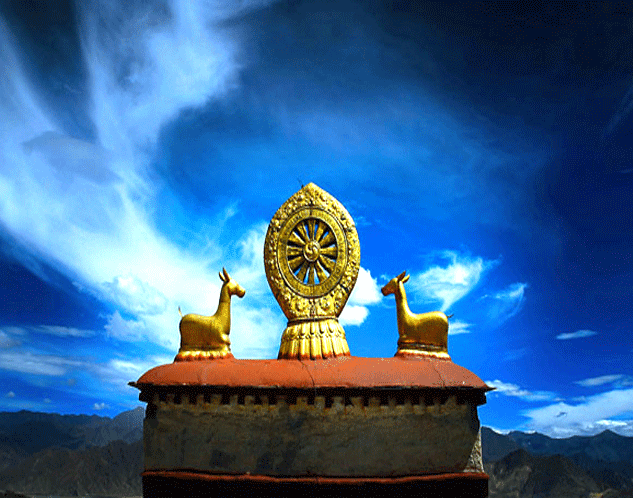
392, 286
232, 287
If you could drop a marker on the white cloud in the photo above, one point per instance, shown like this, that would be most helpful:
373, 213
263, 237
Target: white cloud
618, 380
135, 296
248, 268
125, 330
115, 373
366, 292
148, 67
38, 364
515, 391
353, 315
99, 406
458, 327
450, 283
576, 335
268, 323
62, 331
88, 208
614, 423
505, 304
588, 417
515, 354
7, 340
10, 394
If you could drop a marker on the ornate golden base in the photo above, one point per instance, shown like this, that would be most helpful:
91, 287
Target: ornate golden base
197, 355
426, 350
313, 340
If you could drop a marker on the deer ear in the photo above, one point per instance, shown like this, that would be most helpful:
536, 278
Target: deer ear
221, 277
405, 279
401, 276
226, 275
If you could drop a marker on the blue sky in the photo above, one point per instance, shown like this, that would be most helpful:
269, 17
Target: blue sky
484, 148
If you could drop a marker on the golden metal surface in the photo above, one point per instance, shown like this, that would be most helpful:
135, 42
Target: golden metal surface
312, 258
207, 337
424, 334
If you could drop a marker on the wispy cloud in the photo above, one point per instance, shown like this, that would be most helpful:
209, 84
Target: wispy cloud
515, 354
7, 341
514, 390
125, 330
504, 304
61, 331
448, 284
56, 330
108, 376
87, 206
38, 364
623, 110
579, 334
10, 394
617, 380
135, 295
456, 327
115, 373
595, 414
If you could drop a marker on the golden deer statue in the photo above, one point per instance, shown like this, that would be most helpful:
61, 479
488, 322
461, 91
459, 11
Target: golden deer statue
424, 334
207, 337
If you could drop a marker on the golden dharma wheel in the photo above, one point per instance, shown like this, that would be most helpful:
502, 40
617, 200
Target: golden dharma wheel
312, 258
312, 252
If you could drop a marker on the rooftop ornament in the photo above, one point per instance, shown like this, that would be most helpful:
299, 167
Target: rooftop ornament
207, 337
312, 258
316, 417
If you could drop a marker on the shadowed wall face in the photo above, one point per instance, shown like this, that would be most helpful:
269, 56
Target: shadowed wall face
326, 438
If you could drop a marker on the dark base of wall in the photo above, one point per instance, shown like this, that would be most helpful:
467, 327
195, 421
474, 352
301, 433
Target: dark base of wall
199, 486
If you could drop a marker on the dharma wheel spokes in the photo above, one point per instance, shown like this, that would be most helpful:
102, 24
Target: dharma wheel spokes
312, 251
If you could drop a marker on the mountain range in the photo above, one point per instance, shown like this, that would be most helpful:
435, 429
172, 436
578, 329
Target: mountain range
71, 455
531, 464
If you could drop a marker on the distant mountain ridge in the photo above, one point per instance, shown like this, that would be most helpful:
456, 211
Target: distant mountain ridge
606, 446
70, 455
29, 432
583, 465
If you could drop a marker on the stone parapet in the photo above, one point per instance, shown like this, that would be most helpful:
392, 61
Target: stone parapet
388, 433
